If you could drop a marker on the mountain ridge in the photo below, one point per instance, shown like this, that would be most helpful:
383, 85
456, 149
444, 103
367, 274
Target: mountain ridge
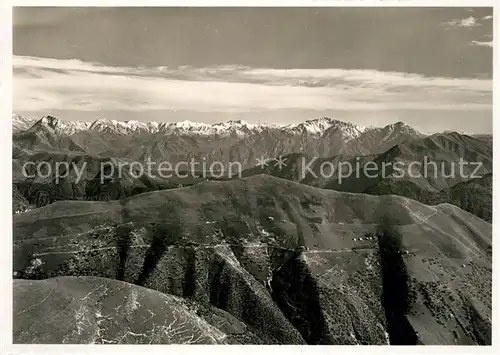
264, 241
313, 126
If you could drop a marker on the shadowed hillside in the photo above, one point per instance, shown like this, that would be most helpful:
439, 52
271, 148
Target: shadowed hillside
471, 191
260, 241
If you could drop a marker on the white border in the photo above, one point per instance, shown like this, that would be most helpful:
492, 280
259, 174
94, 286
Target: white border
260, 3
6, 346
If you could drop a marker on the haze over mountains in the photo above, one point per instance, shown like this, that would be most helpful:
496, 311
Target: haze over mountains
320, 261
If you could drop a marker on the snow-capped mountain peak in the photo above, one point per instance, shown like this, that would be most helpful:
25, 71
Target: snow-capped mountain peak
323, 126
402, 128
49, 121
189, 125
20, 123
57, 125
237, 127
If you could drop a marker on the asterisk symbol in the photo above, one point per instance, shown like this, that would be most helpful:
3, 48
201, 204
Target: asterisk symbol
280, 162
262, 162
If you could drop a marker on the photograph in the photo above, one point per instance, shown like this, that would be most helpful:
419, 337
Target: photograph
251, 175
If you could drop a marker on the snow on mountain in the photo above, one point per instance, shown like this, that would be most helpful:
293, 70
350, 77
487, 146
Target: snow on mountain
381, 138
239, 128
401, 127
324, 125
186, 127
124, 127
397, 129
20, 123
60, 126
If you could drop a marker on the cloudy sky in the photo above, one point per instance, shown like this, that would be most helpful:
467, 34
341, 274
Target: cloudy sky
429, 67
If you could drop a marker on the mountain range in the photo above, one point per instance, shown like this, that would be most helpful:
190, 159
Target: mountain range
313, 263
51, 141
324, 140
238, 127
272, 257
325, 136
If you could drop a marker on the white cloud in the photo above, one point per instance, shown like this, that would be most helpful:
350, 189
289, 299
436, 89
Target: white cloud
42, 84
483, 44
489, 17
69, 65
470, 21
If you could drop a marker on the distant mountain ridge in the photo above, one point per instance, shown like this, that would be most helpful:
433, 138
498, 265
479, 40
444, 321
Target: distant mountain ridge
317, 126
51, 140
222, 142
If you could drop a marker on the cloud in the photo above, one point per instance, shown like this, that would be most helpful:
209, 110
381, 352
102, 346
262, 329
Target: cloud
483, 44
44, 84
470, 21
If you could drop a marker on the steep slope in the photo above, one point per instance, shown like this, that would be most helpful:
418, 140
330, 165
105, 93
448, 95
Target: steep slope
474, 195
19, 203
263, 240
488, 138
47, 134
432, 163
429, 170
70, 175
381, 139
20, 123
71, 310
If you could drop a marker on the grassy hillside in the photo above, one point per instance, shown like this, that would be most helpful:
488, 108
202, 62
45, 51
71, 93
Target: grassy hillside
263, 240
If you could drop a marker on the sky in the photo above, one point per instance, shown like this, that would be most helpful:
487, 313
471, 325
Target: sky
429, 67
